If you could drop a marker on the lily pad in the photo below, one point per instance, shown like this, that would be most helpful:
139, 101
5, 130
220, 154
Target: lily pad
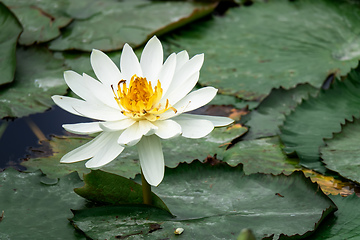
10, 31
127, 163
344, 224
38, 76
265, 120
319, 117
36, 210
215, 202
103, 187
287, 43
41, 19
125, 27
342, 153
261, 156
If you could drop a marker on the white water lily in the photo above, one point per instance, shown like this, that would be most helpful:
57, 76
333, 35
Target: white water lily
139, 104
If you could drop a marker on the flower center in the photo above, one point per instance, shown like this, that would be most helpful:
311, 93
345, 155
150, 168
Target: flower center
140, 100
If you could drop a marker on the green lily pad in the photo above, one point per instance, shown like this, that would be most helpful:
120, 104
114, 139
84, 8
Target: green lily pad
38, 76
10, 31
261, 156
319, 117
41, 19
36, 210
265, 120
103, 187
344, 224
215, 202
127, 163
342, 153
132, 22
287, 43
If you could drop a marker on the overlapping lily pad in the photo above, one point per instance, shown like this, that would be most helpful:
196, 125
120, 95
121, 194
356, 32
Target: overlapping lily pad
265, 120
127, 164
38, 76
132, 22
260, 156
215, 202
41, 19
10, 31
319, 117
36, 210
342, 153
275, 43
344, 224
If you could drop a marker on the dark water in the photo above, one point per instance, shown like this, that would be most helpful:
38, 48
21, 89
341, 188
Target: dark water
18, 138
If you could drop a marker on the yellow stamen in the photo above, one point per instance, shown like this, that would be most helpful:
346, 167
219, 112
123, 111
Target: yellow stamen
139, 100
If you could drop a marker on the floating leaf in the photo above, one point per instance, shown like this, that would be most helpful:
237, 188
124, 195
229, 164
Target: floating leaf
41, 19
103, 187
215, 202
344, 224
287, 43
265, 120
342, 153
127, 163
38, 76
260, 156
10, 31
35, 210
125, 27
319, 117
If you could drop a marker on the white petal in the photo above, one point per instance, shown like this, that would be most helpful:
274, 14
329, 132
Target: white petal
167, 72
181, 58
68, 103
133, 134
107, 153
105, 69
100, 112
192, 101
87, 150
216, 121
167, 129
103, 93
185, 88
83, 128
117, 125
183, 74
152, 59
129, 63
195, 128
151, 159
77, 84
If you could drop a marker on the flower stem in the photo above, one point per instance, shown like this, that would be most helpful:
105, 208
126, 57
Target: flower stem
146, 190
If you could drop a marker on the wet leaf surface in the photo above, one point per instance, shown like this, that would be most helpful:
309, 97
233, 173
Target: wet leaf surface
10, 31
319, 117
38, 76
342, 153
287, 43
41, 19
95, 32
36, 210
193, 193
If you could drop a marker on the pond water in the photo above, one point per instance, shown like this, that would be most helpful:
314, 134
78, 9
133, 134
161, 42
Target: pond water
18, 138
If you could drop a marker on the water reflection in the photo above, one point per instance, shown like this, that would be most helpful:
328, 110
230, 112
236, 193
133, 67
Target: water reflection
17, 136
